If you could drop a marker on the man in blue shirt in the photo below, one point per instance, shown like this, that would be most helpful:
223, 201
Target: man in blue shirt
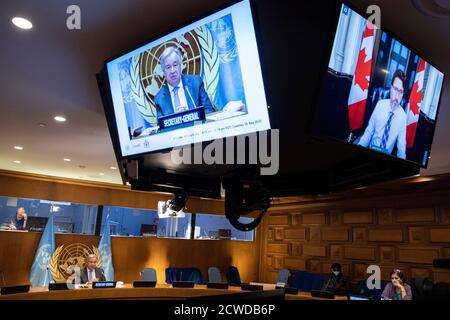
387, 124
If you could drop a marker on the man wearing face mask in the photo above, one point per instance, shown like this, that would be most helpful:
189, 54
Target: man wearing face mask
336, 281
397, 289
387, 124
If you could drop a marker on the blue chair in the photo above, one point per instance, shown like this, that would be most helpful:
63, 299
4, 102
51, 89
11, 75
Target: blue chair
214, 275
184, 274
283, 276
233, 277
148, 274
298, 280
318, 281
306, 281
362, 289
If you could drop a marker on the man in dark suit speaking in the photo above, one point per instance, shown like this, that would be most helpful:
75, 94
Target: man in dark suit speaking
91, 273
181, 92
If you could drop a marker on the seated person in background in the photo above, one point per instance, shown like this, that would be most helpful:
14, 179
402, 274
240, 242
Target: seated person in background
336, 282
91, 273
21, 219
397, 289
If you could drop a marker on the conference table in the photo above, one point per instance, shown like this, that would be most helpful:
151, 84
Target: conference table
160, 292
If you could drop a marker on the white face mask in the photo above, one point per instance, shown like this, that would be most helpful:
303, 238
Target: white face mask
336, 273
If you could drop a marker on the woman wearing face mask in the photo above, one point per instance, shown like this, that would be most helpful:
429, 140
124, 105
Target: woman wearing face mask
397, 289
336, 281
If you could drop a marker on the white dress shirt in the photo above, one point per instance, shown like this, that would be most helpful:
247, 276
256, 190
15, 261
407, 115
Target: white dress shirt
91, 275
181, 95
373, 135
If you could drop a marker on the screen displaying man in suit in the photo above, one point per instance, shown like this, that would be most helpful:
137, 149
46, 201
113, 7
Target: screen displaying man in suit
180, 92
387, 124
91, 273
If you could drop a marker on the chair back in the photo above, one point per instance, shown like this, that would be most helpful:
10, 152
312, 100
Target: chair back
148, 274
214, 275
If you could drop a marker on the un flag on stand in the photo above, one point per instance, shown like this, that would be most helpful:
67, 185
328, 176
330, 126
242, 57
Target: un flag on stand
40, 275
104, 247
230, 87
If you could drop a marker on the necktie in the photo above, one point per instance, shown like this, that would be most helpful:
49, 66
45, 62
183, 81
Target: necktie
92, 275
176, 100
387, 128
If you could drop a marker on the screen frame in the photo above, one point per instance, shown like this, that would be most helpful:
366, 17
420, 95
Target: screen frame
105, 86
325, 137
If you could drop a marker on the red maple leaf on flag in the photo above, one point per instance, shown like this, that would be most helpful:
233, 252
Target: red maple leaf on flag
416, 98
363, 70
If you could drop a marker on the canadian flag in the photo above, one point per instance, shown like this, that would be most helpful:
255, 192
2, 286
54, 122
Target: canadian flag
360, 85
415, 100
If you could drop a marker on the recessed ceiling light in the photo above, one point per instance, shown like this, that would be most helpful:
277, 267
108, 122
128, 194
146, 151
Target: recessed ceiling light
113, 168
22, 23
17, 161
67, 159
60, 119
101, 173
18, 147
42, 125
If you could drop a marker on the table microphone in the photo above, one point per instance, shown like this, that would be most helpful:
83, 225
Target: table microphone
192, 100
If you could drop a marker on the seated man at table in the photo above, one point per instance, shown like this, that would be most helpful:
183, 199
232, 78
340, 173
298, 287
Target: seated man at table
180, 92
336, 281
91, 273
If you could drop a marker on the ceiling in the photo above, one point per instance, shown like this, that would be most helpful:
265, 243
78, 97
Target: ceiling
50, 70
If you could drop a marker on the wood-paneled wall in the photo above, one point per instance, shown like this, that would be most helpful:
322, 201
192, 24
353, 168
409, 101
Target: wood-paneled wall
404, 224
23, 185
132, 255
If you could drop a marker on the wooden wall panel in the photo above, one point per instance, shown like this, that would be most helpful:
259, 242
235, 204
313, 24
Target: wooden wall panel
335, 234
280, 220
440, 235
296, 264
278, 248
410, 255
295, 234
359, 253
393, 229
132, 255
316, 218
403, 224
386, 235
441, 275
415, 215
13, 184
358, 217
315, 251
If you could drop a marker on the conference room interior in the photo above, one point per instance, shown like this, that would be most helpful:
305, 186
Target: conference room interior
67, 172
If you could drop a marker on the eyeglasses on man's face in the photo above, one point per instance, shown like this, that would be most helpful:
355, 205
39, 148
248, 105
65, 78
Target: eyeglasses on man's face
398, 90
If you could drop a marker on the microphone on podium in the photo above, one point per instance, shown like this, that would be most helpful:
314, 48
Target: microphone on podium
190, 96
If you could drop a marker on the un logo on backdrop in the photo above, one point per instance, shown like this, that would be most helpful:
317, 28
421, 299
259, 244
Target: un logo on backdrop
68, 258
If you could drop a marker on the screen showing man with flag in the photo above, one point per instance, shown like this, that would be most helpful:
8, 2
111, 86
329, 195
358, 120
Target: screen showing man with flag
387, 124
378, 93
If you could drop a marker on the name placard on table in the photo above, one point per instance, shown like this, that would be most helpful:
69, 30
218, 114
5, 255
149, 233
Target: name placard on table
182, 118
103, 284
